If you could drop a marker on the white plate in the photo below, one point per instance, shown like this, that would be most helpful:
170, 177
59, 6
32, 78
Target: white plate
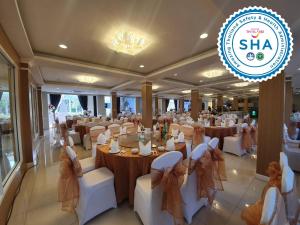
145, 154
160, 148
114, 152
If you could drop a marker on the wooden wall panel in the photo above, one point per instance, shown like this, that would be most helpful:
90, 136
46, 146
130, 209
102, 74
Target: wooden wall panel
195, 104
114, 112
270, 122
288, 101
147, 104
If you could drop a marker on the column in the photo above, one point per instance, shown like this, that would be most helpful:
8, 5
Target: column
147, 104
40, 111
195, 104
45, 111
288, 102
235, 103
220, 103
200, 104
156, 105
270, 120
25, 122
114, 113
245, 107
138, 105
163, 103
213, 102
101, 105
181, 105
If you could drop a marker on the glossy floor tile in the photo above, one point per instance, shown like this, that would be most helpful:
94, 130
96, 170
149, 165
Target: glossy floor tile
36, 204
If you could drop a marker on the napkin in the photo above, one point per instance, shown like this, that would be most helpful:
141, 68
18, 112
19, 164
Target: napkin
175, 132
123, 130
145, 149
170, 144
114, 145
139, 130
181, 137
231, 123
107, 134
154, 127
101, 139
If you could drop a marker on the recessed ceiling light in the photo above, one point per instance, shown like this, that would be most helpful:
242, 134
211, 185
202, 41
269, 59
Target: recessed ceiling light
142, 66
231, 98
298, 68
175, 74
204, 35
246, 205
224, 96
154, 87
200, 81
213, 73
208, 94
127, 40
63, 46
87, 79
254, 90
241, 84
186, 91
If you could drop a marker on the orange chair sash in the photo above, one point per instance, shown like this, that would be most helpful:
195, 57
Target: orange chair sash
170, 181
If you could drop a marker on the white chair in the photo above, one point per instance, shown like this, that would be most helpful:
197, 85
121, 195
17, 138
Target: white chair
273, 212
94, 133
293, 155
97, 192
188, 136
147, 201
75, 135
206, 139
213, 143
233, 144
287, 140
189, 188
283, 160
114, 128
87, 164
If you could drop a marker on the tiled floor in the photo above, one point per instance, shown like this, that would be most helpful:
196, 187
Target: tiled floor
37, 203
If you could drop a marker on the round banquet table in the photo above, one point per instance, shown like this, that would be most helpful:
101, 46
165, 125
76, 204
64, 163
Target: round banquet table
220, 132
127, 167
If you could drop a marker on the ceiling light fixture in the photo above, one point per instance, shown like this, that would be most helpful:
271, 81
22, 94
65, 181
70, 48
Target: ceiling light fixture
175, 74
87, 79
142, 66
298, 68
200, 81
204, 35
241, 84
186, 91
254, 90
154, 87
231, 98
208, 94
127, 40
63, 46
213, 73
224, 96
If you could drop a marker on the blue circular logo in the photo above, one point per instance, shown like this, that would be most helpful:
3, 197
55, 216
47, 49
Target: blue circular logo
255, 44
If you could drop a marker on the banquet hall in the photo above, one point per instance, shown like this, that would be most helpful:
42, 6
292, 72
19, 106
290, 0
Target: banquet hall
122, 113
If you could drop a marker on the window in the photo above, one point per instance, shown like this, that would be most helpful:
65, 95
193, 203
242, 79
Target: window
69, 105
9, 148
127, 104
107, 102
171, 105
187, 106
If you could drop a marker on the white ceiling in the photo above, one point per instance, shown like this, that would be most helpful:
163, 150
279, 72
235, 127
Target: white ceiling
174, 25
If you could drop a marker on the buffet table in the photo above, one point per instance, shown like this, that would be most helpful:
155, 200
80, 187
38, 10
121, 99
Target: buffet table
126, 166
220, 132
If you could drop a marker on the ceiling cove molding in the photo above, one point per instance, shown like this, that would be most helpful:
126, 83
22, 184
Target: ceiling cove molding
71, 62
184, 62
123, 85
74, 85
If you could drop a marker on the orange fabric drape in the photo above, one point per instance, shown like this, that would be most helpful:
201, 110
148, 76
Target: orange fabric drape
198, 135
170, 180
219, 162
252, 214
246, 139
208, 179
253, 134
68, 185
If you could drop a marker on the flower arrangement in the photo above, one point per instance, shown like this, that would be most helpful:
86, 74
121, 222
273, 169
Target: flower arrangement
295, 117
51, 108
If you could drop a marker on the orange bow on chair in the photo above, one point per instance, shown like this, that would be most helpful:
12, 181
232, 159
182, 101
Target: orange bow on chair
171, 180
198, 135
68, 185
246, 139
208, 181
219, 163
252, 214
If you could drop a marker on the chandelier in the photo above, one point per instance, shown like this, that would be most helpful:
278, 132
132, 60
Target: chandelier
128, 42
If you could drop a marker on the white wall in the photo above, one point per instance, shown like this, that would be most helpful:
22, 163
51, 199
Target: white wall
101, 105
90, 104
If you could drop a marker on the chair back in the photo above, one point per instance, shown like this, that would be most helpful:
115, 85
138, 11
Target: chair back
188, 131
198, 151
71, 153
114, 128
71, 141
283, 160
128, 124
213, 143
174, 126
95, 131
273, 212
166, 160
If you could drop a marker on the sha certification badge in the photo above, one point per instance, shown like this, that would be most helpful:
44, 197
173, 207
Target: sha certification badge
255, 44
